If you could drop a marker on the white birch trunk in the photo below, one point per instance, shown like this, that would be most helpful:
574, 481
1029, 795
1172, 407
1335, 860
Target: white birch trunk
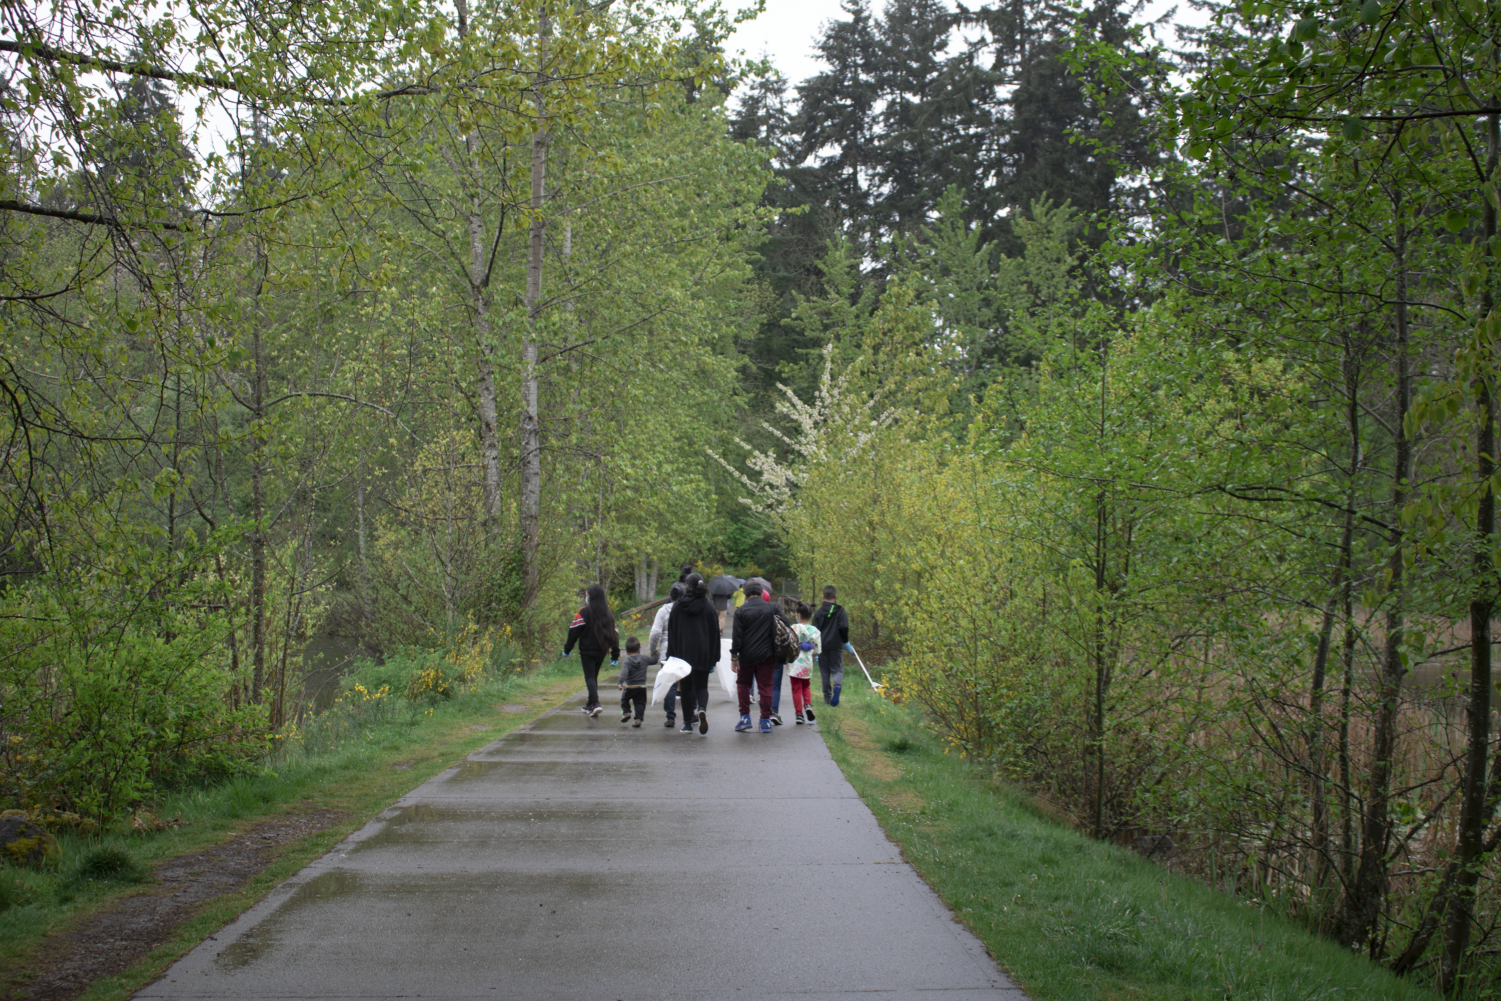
531, 422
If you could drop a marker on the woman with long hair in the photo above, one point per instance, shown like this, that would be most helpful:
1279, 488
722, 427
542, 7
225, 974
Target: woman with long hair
594, 631
693, 635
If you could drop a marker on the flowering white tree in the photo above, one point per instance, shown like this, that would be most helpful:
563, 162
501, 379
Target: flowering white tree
836, 426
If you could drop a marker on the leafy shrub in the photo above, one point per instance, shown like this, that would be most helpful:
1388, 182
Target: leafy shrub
101, 707
403, 686
425, 674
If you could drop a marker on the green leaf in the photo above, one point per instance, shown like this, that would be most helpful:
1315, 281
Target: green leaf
1456, 220
1353, 129
1370, 11
1305, 30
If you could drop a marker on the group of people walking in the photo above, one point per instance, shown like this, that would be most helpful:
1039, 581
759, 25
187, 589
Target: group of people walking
688, 627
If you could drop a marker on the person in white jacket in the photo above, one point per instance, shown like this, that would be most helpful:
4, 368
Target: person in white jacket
656, 649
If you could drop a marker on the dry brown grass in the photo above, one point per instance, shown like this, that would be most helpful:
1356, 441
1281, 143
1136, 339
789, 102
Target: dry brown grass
876, 764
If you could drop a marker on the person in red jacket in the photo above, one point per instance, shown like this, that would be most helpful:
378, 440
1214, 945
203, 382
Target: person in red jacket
594, 631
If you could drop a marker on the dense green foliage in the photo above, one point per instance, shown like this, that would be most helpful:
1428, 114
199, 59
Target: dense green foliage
1145, 418
394, 342
1191, 529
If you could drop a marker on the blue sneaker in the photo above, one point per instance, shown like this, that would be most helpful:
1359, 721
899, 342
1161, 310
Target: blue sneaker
743, 725
766, 726
835, 700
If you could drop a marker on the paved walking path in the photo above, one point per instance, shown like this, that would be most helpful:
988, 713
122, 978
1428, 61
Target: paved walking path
579, 858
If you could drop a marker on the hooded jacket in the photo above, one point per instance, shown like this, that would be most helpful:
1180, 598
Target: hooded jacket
633, 671
582, 633
834, 623
754, 637
693, 631
656, 640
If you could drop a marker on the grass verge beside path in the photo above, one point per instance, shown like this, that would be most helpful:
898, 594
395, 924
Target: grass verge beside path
1070, 918
356, 780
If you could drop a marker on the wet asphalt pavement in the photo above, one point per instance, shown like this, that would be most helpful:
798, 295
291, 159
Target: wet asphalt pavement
582, 858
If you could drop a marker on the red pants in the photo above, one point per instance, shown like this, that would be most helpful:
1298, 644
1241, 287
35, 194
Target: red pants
761, 675
802, 694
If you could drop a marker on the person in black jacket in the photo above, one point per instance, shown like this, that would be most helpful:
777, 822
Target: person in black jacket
833, 623
693, 635
594, 631
753, 650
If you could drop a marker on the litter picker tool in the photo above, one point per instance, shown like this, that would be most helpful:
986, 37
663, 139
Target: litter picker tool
874, 684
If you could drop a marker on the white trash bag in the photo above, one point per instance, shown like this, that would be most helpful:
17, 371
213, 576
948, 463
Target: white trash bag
673, 670
726, 670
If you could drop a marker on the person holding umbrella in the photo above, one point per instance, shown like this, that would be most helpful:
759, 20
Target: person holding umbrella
722, 589
693, 636
594, 631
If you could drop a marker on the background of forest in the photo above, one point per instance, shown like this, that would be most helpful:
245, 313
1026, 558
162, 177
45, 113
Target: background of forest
1136, 392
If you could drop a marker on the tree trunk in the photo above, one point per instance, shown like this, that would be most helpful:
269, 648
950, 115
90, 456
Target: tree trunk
470, 170
479, 304
1315, 738
1364, 897
1338, 601
365, 602
1097, 724
1101, 675
531, 421
257, 503
1348, 846
1475, 806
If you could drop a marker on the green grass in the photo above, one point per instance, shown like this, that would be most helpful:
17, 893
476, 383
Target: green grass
354, 777
1069, 917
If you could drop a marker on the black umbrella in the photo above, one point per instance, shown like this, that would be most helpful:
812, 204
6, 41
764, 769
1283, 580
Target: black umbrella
724, 585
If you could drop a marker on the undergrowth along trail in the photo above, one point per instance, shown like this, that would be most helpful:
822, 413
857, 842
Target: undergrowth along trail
1070, 918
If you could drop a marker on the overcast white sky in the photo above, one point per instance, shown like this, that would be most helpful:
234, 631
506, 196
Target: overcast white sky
786, 32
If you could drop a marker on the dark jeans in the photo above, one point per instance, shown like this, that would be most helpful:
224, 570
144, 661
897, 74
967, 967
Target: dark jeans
591, 677
761, 675
633, 697
776, 688
831, 669
694, 692
670, 700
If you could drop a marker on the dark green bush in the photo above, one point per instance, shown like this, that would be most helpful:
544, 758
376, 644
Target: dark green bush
108, 864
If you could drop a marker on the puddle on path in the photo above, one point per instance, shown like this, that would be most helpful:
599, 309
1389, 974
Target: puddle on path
264, 936
534, 905
416, 825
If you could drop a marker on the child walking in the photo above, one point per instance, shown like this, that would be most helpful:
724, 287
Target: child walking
800, 671
632, 682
